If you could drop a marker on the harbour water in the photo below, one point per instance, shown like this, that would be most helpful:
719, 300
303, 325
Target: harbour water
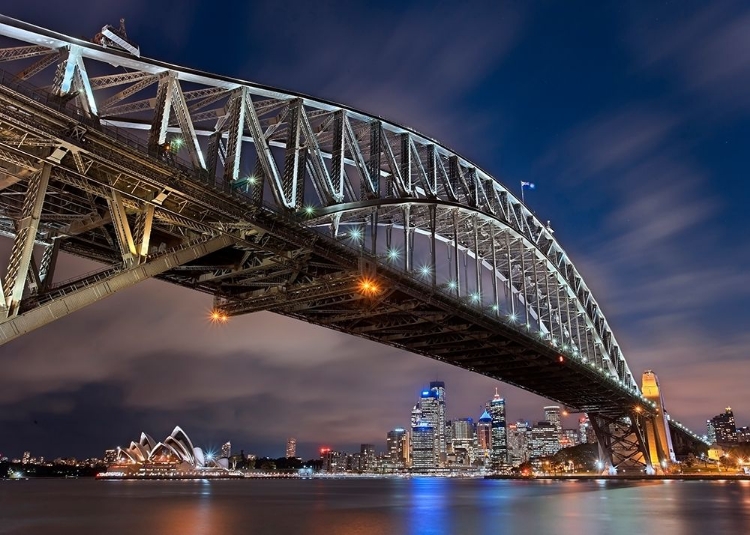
420, 506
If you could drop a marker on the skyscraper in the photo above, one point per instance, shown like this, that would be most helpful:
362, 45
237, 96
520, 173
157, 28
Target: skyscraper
429, 405
484, 435
518, 442
226, 450
499, 456
423, 447
291, 447
397, 446
367, 452
544, 440
438, 387
552, 415
463, 440
724, 427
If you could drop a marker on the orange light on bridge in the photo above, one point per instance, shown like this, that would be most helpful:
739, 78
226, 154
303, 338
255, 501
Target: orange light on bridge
368, 287
560, 358
217, 316
639, 409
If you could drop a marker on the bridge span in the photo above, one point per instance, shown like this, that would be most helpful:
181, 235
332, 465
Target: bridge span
298, 206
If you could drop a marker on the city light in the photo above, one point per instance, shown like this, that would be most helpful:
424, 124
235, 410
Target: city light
425, 270
309, 210
393, 253
252, 180
452, 284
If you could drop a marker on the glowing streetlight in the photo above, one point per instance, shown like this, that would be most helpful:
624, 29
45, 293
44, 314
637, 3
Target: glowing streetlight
393, 254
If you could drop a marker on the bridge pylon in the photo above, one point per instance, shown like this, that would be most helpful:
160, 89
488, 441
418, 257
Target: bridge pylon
658, 435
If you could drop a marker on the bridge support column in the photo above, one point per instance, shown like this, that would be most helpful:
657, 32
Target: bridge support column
622, 446
92, 289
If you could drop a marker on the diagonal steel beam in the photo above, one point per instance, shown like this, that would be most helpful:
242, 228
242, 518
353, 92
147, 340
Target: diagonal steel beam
78, 297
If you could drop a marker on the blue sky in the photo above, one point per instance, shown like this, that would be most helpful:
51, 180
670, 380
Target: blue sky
632, 119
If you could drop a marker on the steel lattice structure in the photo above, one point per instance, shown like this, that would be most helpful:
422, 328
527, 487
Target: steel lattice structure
289, 204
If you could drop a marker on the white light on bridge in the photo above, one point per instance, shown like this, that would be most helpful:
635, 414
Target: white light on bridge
425, 270
355, 234
393, 253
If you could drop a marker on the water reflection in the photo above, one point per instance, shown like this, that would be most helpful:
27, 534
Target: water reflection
420, 506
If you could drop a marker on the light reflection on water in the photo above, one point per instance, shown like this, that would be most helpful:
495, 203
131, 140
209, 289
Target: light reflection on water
420, 506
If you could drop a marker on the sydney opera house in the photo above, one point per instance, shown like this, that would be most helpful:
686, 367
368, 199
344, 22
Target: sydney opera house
173, 458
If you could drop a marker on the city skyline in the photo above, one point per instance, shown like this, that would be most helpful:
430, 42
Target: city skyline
638, 167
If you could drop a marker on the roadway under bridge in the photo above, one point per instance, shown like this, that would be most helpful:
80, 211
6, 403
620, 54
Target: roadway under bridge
271, 200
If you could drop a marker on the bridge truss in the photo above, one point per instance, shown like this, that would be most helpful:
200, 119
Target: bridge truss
293, 205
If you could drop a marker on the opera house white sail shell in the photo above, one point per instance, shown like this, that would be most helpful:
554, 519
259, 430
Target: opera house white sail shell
173, 458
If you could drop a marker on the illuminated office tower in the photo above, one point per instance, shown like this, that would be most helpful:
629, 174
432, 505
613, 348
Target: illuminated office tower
463, 440
429, 405
724, 427
397, 446
291, 447
484, 436
552, 415
423, 447
499, 456
441, 437
518, 442
367, 454
226, 450
545, 441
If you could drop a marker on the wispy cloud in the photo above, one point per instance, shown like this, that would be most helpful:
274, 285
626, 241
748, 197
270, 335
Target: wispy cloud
709, 49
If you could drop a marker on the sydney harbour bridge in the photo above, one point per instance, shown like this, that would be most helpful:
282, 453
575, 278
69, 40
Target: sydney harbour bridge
271, 200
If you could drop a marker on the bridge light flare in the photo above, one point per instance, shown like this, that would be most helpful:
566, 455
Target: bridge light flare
217, 316
309, 210
368, 287
252, 180
513, 317
475, 297
355, 234
452, 284
393, 253
425, 270
560, 358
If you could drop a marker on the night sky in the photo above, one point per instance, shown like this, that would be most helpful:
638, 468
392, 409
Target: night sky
632, 120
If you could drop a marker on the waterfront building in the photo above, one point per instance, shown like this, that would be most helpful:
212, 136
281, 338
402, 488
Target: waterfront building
423, 447
335, 461
174, 457
463, 441
552, 415
724, 427
291, 448
710, 432
397, 447
26, 458
367, 452
441, 432
110, 457
586, 433
545, 441
518, 442
226, 450
499, 443
484, 437
429, 405
569, 438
